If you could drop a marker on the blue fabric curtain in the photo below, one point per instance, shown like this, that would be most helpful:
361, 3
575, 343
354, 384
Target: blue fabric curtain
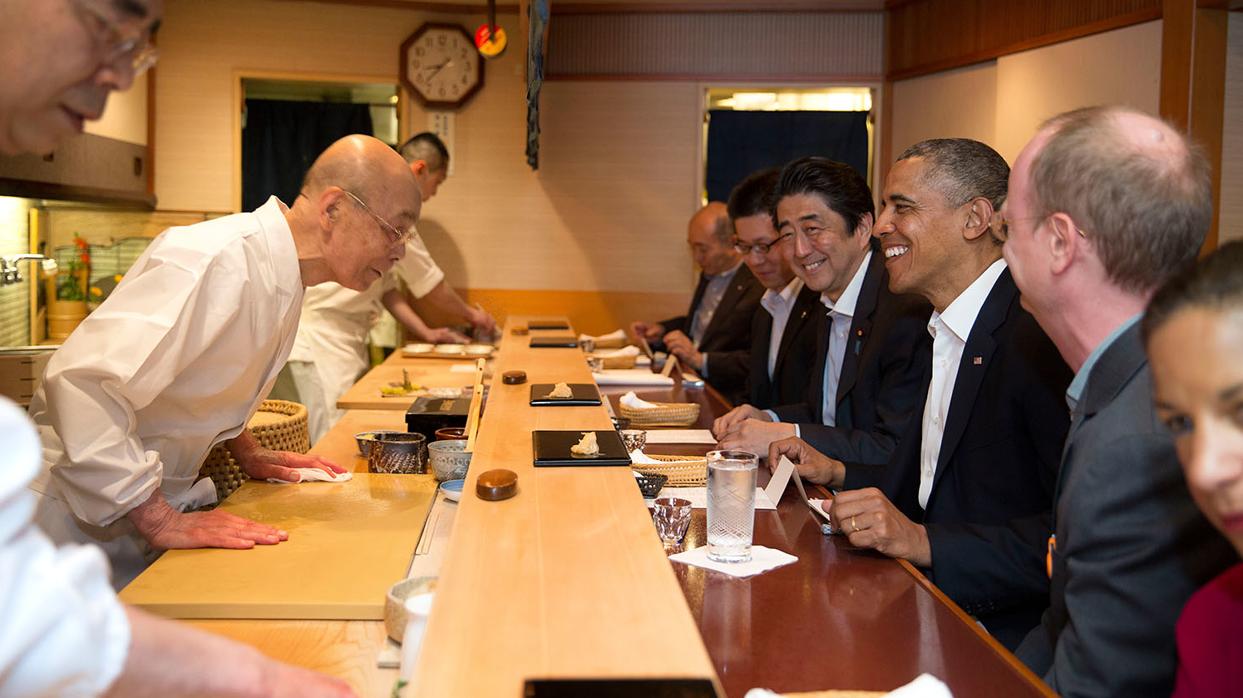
282, 138
741, 142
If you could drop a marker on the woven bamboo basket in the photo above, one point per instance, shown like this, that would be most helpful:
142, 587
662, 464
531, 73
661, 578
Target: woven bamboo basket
277, 424
664, 414
682, 471
619, 361
610, 342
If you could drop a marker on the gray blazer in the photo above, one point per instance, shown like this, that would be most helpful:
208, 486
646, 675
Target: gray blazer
1131, 545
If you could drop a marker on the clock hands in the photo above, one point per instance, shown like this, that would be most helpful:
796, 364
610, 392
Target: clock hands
437, 68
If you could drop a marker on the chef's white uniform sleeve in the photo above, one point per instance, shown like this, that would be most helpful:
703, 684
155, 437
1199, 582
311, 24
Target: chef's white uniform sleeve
124, 355
64, 631
417, 269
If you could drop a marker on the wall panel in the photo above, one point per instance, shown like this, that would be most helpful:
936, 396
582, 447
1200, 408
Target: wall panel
1230, 226
959, 103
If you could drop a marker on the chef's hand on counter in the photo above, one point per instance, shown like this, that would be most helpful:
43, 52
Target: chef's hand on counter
444, 335
262, 463
681, 346
165, 528
481, 320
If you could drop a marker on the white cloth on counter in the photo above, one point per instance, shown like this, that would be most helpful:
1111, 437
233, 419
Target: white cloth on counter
924, 686
175, 361
632, 376
680, 436
762, 560
698, 497
614, 336
622, 353
638, 457
314, 475
635, 402
65, 632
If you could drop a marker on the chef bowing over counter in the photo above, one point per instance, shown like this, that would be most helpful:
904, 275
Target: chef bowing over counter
180, 355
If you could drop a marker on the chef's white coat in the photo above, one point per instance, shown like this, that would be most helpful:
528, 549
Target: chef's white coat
173, 362
62, 630
330, 352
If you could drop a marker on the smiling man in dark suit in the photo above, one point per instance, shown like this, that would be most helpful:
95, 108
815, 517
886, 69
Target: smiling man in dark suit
719, 318
783, 329
1105, 203
968, 493
873, 342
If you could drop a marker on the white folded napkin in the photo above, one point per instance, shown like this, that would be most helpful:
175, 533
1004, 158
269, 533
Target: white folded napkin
924, 686
763, 559
614, 335
635, 402
315, 475
632, 376
622, 353
638, 457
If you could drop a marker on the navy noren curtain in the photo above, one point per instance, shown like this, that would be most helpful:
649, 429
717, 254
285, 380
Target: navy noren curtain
282, 139
741, 142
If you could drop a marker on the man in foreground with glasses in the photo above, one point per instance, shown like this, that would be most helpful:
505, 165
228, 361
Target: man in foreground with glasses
1105, 204
719, 318
783, 330
65, 632
180, 355
968, 492
858, 394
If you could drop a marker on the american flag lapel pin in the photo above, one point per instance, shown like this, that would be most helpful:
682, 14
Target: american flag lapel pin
977, 360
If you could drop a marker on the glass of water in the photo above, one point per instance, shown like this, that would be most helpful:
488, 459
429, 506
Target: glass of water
731, 505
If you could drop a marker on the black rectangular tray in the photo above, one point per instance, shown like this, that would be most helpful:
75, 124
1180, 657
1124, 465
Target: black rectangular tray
584, 394
554, 341
552, 448
548, 325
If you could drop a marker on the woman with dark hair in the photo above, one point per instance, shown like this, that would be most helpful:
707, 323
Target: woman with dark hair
1193, 331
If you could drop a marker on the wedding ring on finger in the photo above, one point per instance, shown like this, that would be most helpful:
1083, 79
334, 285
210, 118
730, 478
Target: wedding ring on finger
854, 527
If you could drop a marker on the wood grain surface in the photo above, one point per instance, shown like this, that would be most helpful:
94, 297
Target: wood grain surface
427, 373
348, 543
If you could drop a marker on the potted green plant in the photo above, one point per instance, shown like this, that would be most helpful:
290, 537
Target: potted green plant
67, 305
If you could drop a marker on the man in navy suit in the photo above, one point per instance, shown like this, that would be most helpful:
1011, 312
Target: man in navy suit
968, 493
870, 347
1104, 204
783, 329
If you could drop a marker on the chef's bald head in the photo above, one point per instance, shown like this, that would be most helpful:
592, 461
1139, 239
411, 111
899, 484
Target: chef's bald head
371, 170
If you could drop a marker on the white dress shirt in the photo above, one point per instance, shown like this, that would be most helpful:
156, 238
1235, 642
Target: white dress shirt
950, 330
841, 315
65, 633
714, 292
779, 304
173, 362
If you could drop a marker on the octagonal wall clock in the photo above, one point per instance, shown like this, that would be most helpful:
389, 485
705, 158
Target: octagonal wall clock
440, 65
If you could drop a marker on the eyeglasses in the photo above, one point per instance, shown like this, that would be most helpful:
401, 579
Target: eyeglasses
760, 247
999, 225
116, 42
394, 234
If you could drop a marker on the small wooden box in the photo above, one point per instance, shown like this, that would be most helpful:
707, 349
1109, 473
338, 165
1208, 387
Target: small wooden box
20, 371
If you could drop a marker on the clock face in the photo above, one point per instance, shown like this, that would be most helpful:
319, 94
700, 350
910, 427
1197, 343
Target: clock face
440, 65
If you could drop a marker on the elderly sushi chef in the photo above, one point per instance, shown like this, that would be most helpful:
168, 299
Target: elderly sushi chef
65, 632
180, 355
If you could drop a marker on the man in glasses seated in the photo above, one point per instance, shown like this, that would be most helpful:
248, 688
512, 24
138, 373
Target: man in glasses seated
179, 356
858, 393
783, 329
719, 317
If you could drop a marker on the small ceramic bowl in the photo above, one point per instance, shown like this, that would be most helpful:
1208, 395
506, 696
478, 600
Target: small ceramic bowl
450, 433
452, 489
366, 438
395, 615
449, 459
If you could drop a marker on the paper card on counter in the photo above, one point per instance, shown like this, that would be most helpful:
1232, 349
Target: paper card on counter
680, 436
462, 368
670, 364
698, 497
780, 480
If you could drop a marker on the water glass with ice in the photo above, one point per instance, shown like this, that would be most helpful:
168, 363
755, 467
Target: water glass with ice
731, 505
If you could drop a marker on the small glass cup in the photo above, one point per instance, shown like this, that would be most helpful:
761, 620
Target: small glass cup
587, 344
634, 439
595, 363
672, 517
731, 505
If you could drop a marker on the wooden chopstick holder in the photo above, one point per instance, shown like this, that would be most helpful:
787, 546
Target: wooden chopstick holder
476, 404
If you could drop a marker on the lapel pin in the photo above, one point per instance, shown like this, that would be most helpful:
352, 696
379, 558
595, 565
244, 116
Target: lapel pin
978, 360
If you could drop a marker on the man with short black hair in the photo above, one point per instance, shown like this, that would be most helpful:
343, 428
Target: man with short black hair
870, 349
1105, 203
968, 492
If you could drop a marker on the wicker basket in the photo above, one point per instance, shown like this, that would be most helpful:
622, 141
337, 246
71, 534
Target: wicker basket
682, 471
277, 424
619, 361
664, 414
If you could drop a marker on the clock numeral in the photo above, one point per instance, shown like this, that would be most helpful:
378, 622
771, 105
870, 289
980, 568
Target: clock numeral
442, 39
418, 51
